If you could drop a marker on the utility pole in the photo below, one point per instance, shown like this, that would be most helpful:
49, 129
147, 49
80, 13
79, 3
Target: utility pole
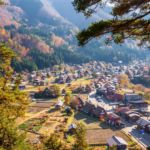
147, 115
139, 135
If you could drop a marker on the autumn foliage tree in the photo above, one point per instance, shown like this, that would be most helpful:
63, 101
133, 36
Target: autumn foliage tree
12, 105
67, 98
123, 80
55, 90
53, 143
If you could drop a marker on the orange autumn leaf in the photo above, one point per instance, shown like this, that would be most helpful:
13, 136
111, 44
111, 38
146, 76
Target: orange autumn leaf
18, 58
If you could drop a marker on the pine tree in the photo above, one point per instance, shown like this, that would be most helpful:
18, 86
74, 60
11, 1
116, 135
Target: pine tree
120, 26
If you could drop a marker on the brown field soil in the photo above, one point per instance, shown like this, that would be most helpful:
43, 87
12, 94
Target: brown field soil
99, 148
47, 99
89, 123
34, 110
46, 105
100, 135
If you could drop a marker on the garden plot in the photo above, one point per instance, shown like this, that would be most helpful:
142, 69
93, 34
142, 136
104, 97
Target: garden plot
46, 123
33, 125
53, 124
100, 135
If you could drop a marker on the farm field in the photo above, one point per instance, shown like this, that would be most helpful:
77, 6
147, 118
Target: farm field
83, 81
100, 135
33, 109
45, 105
48, 99
46, 123
33, 88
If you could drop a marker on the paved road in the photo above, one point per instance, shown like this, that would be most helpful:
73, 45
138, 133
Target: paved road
129, 129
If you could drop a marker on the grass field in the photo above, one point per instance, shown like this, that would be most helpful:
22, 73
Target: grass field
82, 81
89, 123
33, 88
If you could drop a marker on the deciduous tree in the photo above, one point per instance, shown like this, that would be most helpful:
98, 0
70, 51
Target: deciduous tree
53, 143
55, 90
12, 105
80, 138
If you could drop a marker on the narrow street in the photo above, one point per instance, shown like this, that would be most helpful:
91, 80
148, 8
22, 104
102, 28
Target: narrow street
129, 129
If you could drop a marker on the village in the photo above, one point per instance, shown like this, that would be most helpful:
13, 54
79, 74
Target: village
111, 100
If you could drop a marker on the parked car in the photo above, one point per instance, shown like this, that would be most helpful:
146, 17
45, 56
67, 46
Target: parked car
99, 100
98, 97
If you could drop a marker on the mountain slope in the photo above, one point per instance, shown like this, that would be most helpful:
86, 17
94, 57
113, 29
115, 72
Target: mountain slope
66, 9
42, 33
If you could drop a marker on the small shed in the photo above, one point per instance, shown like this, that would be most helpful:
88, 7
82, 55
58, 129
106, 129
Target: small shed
22, 86
59, 105
72, 127
118, 142
133, 117
144, 124
43, 83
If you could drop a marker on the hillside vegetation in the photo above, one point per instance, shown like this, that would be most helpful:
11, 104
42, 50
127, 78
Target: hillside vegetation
37, 32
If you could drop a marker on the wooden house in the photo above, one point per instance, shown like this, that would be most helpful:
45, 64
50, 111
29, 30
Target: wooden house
114, 96
43, 77
132, 97
87, 73
129, 73
99, 112
88, 88
36, 82
133, 117
46, 92
81, 88
59, 105
72, 127
69, 79
42, 83
114, 119
80, 99
88, 108
101, 91
63, 91
140, 104
122, 110
101, 64
49, 74
31, 77
118, 142
22, 86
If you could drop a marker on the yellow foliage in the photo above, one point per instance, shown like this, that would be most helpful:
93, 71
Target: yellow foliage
3, 31
10, 40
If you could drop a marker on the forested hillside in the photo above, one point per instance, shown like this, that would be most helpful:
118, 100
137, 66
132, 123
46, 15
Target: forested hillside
39, 34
